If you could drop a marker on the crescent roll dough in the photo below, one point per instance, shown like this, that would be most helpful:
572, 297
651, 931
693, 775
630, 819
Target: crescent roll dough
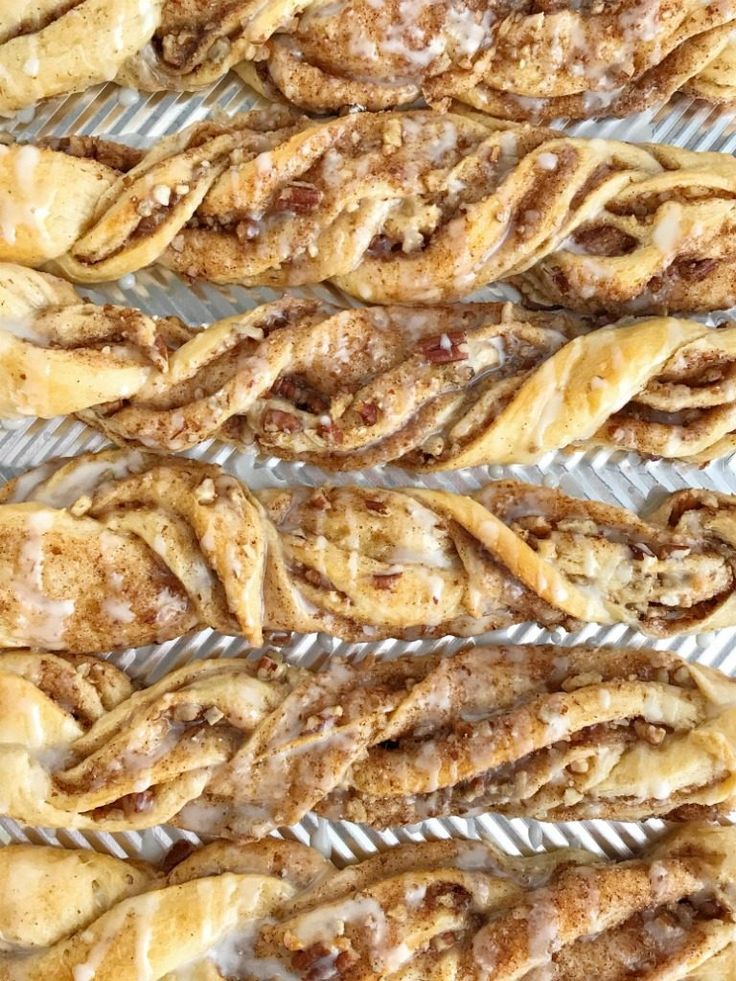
432, 911
436, 388
414, 207
236, 749
124, 549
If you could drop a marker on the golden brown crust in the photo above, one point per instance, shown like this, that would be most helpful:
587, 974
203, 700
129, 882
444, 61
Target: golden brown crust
535, 60
122, 548
235, 749
392, 207
446, 909
539, 59
436, 388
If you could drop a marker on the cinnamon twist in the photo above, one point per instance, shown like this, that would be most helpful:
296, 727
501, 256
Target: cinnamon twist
434, 389
394, 207
435, 910
227, 748
65, 45
125, 549
536, 60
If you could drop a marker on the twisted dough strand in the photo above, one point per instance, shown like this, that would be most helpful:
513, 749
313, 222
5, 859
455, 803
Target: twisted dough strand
126, 549
435, 388
536, 60
437, 910
227, 748
394, 207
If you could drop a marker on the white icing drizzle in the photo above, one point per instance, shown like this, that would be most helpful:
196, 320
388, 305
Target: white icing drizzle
39, 615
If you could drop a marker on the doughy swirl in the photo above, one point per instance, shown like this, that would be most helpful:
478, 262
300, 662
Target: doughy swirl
122, 549
435, 388
234, 749
392, 207
436, 910
532, 60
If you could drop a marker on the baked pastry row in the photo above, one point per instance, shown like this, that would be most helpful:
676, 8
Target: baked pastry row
535, 60
238, 749
124, 549
430, 389
392, 207
434, 911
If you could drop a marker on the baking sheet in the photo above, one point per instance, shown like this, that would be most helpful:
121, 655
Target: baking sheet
611, 476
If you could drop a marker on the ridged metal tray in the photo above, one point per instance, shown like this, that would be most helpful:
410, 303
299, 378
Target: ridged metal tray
617, 478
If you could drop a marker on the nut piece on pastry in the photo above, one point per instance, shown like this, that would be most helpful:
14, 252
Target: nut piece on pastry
414, 207
433, 910
538, 61
437, 387
236, 749
124, 549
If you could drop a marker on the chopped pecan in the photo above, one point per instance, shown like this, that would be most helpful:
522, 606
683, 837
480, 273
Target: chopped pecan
649, 733
444, 348
368, 412
378, 507
320, 501
176, 854
641, 549
276, 421
284, 388
269, 669
382, 245
332, 433
386, 580
694, 269
326, 719
137, 803
606, 240
297, 391
316, 578
298, 198
320, 963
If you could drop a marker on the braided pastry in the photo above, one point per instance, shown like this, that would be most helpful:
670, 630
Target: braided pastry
395, 207
535, 60
436, 388
433, 911
124, 549
227, 748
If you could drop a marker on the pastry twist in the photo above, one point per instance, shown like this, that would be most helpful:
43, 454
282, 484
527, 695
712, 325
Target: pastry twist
63, 46
539, 61
536, 61
124, 549
434, 389
227, 748
394, 207
437, 911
